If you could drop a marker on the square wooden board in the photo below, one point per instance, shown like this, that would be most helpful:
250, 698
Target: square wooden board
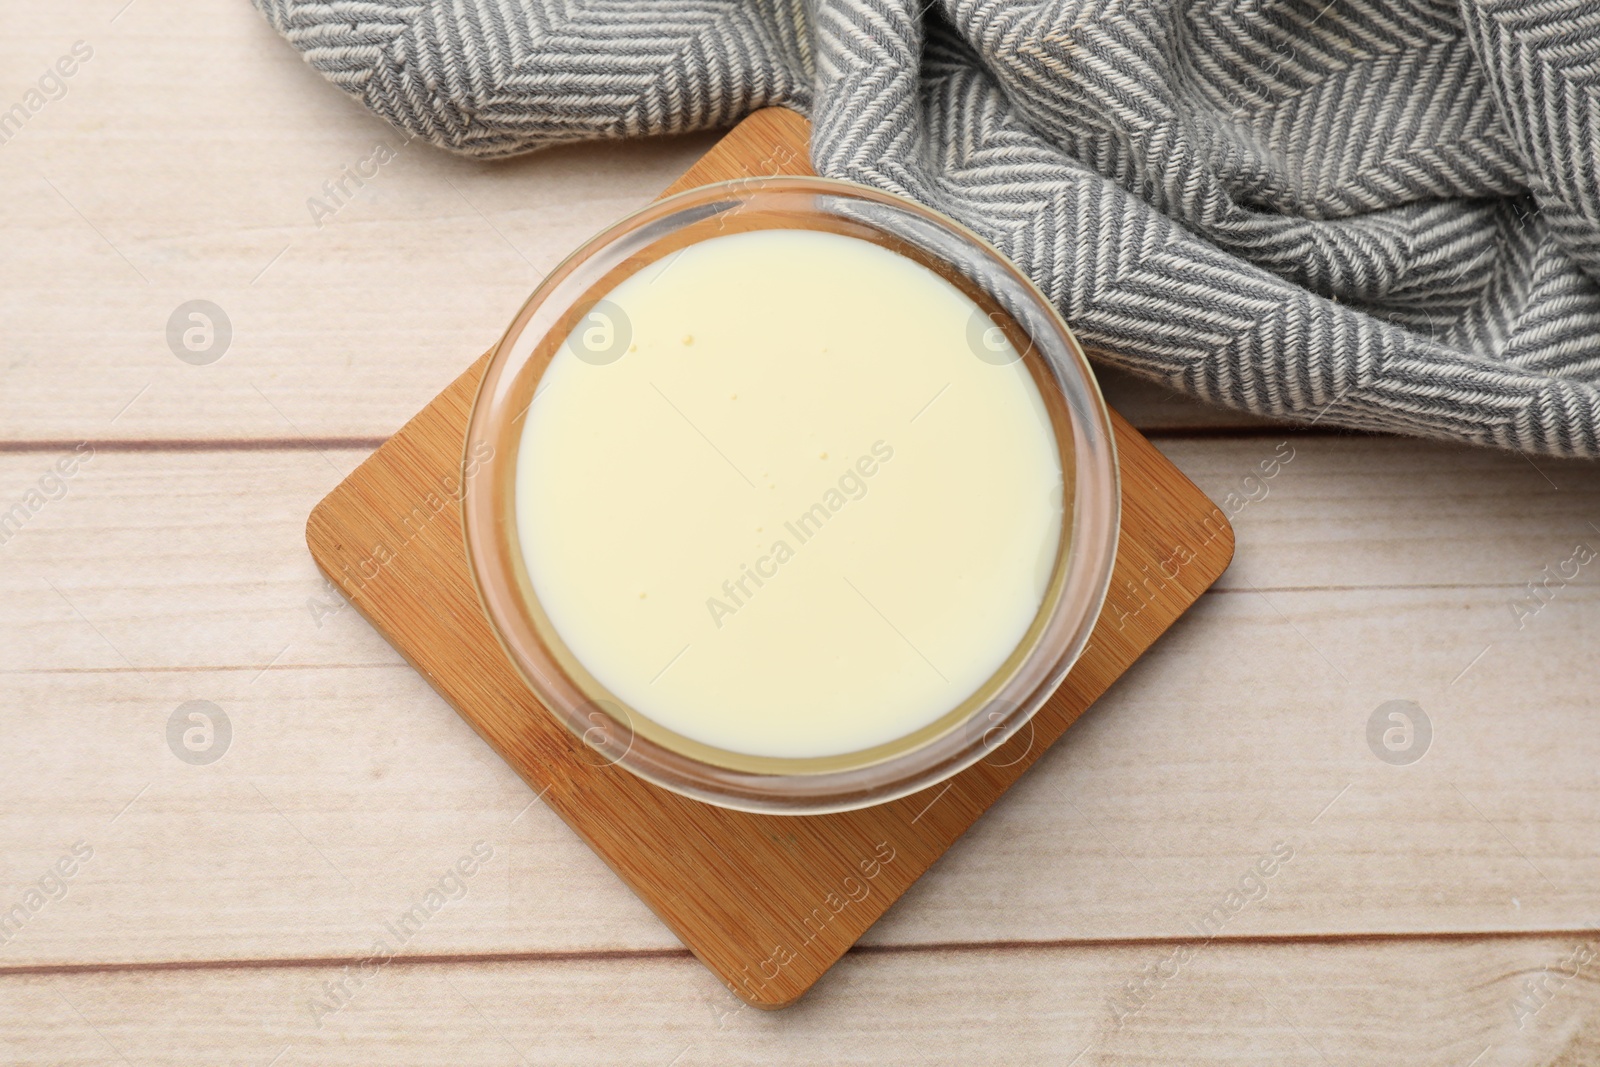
767, 902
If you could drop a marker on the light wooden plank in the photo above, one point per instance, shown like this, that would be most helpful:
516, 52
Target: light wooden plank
343, 795
138, 191
1278, 1006
177, 559
1134, 826
1384, 512
211, 545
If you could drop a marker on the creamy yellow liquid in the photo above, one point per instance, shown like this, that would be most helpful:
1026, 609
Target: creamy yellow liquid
780, 506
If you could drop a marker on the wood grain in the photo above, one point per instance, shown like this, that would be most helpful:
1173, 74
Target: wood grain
768, 903
362, 773
1307, 1005
223, 558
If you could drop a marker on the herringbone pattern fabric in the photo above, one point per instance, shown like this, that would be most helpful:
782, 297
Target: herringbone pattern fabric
1381, 214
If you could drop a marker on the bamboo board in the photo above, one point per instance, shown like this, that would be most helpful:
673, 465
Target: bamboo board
768, 903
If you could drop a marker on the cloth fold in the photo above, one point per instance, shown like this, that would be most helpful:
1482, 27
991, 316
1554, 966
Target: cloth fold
1380, 214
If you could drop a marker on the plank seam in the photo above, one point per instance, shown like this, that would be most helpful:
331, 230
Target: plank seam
197, 444
909, 948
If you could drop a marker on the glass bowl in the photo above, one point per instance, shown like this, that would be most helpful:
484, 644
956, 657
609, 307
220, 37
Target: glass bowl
613, 733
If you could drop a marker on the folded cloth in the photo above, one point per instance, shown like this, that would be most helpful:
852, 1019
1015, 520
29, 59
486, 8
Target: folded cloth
1381, 214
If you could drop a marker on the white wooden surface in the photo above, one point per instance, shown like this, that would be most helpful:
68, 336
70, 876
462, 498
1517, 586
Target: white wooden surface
220, 900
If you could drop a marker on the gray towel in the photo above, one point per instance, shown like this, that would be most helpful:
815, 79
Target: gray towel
1382, 214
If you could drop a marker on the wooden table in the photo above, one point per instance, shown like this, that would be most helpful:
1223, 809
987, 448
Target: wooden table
1111, 908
